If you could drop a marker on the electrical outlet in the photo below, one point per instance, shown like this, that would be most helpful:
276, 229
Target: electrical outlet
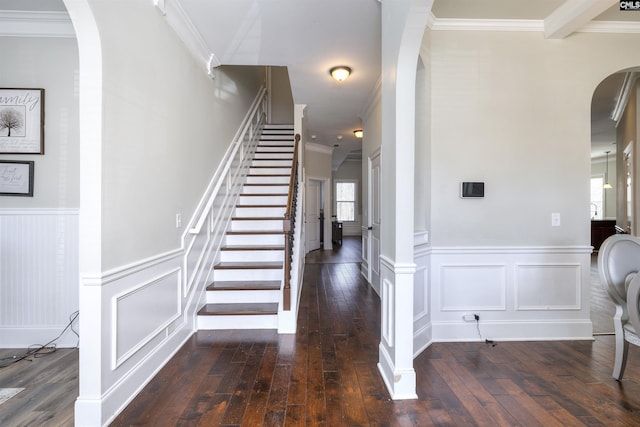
178, 220
470, 317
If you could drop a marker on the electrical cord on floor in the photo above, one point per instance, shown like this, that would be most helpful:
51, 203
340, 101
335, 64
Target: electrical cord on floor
492, 343
37, 350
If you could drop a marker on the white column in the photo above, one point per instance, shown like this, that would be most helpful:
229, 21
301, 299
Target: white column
403, 25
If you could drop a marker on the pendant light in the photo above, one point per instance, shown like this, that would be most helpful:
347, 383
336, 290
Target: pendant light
606, 174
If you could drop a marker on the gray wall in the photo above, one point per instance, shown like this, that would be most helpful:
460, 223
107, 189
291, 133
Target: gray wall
52, 64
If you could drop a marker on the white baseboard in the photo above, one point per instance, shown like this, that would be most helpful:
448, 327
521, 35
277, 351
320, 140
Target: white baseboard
511, 330
27, 337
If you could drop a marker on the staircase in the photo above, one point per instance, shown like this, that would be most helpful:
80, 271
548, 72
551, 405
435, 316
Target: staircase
248, 277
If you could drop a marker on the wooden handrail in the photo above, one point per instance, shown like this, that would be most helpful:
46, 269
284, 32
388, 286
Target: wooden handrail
289, 225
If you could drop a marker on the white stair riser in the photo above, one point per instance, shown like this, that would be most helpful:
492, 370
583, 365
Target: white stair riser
251, 256
238, 322
277, 135
243, 297
275, 148
271, 163
265, 189
259, 212
248, 275
270, 171
274, 143
278, 156
257, 225
268, 179
262, 200
254, 239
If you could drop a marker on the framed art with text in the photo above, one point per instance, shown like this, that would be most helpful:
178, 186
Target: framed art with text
21, 121
16, 178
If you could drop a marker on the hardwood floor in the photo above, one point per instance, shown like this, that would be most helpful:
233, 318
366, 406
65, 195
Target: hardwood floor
50, 385
326, 374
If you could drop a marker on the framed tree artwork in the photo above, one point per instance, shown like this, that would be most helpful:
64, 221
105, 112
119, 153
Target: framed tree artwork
21, 121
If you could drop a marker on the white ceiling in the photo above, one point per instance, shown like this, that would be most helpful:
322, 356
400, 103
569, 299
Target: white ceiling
309, 37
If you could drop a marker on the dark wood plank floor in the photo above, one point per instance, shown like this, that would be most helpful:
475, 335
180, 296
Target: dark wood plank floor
326, 374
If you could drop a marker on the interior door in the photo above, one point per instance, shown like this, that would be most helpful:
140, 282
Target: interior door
312, 215
374, 221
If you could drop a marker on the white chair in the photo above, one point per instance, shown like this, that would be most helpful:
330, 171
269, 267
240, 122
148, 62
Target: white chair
618, 265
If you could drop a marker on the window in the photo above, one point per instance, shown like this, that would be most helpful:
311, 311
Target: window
346, 201
596, 207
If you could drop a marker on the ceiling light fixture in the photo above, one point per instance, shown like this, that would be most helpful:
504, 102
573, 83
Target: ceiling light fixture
340, 73
358, 133
606, 174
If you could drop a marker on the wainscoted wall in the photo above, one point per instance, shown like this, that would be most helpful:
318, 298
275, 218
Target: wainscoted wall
39, 276
520, 293
421, 294
146, 316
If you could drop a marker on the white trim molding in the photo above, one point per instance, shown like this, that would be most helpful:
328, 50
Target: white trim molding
526, 25
18, 23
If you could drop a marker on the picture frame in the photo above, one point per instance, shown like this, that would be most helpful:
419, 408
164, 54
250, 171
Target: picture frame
21, 121
16, 178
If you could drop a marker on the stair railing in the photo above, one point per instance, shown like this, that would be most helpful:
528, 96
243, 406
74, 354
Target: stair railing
216, 206
289, 226
243, 142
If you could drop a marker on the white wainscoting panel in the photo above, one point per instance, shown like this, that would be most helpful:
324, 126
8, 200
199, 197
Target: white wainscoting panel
547, 287
143, 312
39, 278
387, 311
519, 293
364, 265
421, 294
473, 287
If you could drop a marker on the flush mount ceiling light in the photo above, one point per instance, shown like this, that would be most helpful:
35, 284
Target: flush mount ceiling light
358, 133
340, 73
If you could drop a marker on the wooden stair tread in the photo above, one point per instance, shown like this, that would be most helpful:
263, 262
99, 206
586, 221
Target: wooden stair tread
258, 232
261, 206
266, 184
251, 248
256, 218
276, 146
269, 174
240, 265
270, 167
238, 309
270, 285
263, 194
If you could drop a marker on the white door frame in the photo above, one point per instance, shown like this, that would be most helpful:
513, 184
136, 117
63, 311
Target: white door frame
373, 276
326, 201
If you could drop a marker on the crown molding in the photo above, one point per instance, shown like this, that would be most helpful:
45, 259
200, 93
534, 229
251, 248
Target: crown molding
619, 27
18, 23
452, 24
178, 19
373, 99
624, 93
318, 148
